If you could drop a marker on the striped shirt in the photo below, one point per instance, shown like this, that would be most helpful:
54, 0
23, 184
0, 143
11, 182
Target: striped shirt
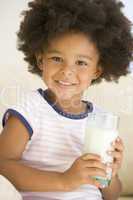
56, 141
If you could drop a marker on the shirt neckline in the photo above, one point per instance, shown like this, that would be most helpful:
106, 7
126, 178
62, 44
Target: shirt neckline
82, 115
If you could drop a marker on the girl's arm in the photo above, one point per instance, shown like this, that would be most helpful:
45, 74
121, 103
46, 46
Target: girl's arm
13, 140
114, 190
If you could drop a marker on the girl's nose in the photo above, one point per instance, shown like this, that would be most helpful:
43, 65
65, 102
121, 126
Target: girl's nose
68, 71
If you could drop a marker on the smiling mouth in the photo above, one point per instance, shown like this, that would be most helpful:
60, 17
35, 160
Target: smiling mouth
65, 83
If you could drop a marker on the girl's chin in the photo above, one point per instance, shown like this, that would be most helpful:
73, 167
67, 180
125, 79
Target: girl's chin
64, 96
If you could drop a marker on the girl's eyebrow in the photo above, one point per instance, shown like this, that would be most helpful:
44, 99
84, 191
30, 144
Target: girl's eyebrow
79, 55
53, 51
85, 56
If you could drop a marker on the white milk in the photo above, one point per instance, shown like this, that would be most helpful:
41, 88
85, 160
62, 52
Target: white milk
101, 131
98, 141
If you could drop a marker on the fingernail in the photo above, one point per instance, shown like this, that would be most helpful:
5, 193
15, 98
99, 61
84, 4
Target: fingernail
85, 157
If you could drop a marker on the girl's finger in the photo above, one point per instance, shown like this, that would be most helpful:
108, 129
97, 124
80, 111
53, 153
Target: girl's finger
90, 156
96, 172
116, 155
118, 144
115, 168
95, 164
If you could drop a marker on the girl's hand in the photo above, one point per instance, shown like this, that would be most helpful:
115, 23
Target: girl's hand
117, 154
82, 171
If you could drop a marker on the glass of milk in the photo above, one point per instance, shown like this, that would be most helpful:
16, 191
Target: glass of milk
101, 130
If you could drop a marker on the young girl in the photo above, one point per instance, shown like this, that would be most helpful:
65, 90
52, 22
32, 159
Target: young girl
70, 44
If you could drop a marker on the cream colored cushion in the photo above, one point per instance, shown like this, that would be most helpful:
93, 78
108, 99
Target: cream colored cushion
8, 191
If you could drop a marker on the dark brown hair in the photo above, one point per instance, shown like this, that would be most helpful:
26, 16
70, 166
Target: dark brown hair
102, 20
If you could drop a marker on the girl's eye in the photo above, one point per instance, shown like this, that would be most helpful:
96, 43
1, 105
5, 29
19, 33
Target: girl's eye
57, 59
82, 63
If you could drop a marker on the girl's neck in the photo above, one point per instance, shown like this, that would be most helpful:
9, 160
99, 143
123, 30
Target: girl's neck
72, 106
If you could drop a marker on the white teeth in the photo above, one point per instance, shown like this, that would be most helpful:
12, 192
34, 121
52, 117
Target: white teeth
64, 83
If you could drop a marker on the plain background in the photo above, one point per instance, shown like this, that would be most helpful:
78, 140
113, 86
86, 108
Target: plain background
117, 98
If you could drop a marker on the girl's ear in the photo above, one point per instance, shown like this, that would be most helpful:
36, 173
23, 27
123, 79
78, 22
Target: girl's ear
39, 60
98, 72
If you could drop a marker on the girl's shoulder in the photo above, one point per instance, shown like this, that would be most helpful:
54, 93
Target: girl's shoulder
24, 108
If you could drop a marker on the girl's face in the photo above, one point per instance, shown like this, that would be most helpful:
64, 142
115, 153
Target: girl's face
69, 65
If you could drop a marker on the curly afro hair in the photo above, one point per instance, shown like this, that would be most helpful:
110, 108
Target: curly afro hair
101, 20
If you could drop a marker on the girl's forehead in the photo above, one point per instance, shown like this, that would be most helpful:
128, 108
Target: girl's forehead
70, 37
76, 42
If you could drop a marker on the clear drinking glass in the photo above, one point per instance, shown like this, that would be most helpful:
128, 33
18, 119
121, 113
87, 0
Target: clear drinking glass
101, 130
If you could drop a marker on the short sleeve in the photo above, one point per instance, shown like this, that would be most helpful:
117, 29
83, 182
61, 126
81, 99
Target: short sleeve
24, 110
